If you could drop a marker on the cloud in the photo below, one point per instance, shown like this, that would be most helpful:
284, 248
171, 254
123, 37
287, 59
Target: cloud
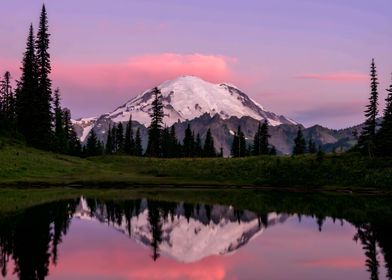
335, 77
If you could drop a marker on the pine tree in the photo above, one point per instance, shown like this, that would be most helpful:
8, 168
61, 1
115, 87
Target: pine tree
109, 142
264, 136
93, 145
114, 139
312, 146
239, 147
74, 147
129, 142
209, 147
174, 146
366, 142
138, 144
198, 146
384, 135
189, 142
165, 147
7, 102
26, 94
120, 138
300, 144
44, 94
60, 140
155, 128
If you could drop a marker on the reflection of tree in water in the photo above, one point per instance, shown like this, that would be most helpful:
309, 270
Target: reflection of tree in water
369, 243
154, 218
31, 239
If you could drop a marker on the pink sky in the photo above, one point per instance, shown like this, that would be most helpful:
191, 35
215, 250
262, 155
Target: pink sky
308, 60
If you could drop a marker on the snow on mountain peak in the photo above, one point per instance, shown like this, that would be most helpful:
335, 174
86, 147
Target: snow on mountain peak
189, 97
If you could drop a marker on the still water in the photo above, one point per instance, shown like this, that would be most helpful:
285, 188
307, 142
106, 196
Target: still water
149, 239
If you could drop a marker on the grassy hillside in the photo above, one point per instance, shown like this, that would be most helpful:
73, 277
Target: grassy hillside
24, 166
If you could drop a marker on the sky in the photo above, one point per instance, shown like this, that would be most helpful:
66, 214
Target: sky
306, 59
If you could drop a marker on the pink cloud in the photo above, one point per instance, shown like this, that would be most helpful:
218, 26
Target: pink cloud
336, 77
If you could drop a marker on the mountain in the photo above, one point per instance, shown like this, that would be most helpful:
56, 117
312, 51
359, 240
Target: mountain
221, 230
221, 107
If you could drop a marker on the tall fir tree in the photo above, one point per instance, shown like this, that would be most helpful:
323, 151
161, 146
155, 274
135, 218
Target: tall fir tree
7, 104
155, 128
299, 143
188, 142
60, 140
129, 142
165, 142
312, 149
120, 138
384, 135
366, 141
198, 146
174, 146
74, 147
239, 147
44, 98
26, 95
93, 145
114, 138
209, 146
261, 142
138, 144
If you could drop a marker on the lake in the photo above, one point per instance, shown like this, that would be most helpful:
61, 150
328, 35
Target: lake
263, 236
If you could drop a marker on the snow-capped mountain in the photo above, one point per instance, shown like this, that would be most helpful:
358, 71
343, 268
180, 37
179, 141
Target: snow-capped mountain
187, 98
189, 239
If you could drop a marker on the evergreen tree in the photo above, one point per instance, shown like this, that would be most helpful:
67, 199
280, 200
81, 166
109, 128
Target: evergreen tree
198, 146
155, 128
366, 142
114, 139
312, 146
299, 143
239, 148
44, 94
93, 146
260, 142
174, 145
138, 144
73, 143
384, 135
7, 100
109, 142
166, 142
189, 142
129, 142
209, 147
272, 151
60, 140
120, 138
26, 95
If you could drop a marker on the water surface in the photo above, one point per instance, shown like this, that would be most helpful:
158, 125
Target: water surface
150, 239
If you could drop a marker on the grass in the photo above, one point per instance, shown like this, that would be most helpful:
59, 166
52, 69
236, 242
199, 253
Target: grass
22, 166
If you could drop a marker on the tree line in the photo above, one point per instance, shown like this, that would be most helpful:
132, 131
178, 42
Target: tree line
33, 110
376, 138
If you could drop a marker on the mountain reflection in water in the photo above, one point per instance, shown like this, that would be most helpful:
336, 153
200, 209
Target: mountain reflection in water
183, 235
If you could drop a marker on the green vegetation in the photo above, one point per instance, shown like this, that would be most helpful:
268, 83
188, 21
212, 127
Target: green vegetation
24, 166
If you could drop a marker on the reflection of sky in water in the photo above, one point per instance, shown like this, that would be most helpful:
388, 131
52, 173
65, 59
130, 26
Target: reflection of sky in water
291, 250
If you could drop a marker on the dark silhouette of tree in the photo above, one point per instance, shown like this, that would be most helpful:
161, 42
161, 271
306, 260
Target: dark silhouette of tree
384, 135
166, 141
26, 94
74, 147
174, 147
366, 141
120, 138
60, 140
238, 147
129, 142
209, 146
155, 128
7, 104
44, 98
154, 218
312, 146
260, 141
109, 142
198, 146
138, 144
188, 142
369, 242
93, 146
299, 143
